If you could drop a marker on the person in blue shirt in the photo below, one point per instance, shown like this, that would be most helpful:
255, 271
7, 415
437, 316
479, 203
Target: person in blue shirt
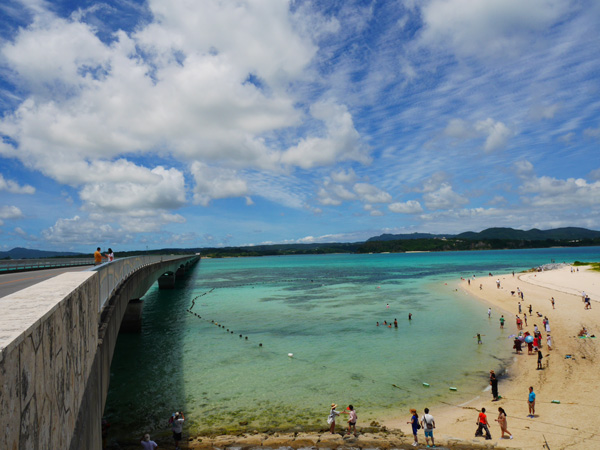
531, 401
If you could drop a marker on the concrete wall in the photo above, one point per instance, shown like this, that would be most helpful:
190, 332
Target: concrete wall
48, 340
55, 355
87, 434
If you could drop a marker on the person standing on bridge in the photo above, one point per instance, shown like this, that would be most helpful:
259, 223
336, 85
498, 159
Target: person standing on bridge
98, 257
110, 255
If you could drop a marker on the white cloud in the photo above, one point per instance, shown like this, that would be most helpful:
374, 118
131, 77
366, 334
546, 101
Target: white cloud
555, 193
459, 129
80, 231
215, 183
371, 194
443, 198
409, 207
14, 187
595, 174
491, 28
344, 176
10, 212
139, 189
341, 143
523, 168
497, 134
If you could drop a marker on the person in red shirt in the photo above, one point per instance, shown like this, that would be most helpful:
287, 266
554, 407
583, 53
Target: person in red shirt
482, 424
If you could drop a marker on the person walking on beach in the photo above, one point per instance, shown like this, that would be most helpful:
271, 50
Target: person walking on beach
503, 424
539, 365
519, 307
331, 418
482, 424
147, 444
552, 300
489, 313
494, 384
525, 318
428, 424
531, 402
352, 419
414, 421
502, 321
549, 341
177, 427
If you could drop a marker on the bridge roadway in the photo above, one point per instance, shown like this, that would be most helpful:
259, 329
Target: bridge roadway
13, 282
57, 339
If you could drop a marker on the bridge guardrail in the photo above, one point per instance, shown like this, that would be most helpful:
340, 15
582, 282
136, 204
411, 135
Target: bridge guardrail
111, 274
18, 265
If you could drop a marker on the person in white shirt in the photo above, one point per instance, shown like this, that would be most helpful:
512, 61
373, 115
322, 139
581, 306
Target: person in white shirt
428, 424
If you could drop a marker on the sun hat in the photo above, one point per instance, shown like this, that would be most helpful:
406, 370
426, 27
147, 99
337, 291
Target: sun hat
333, 405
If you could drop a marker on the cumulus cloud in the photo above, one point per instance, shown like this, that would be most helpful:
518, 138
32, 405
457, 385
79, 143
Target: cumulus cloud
523, 168
9, 212
408, 207
497, 134
371, 194
341, 143
214, 183
443, 198
143, 189
491, 28
344, 176
80, 231
14, 187
334, 194
178, 87
553, 193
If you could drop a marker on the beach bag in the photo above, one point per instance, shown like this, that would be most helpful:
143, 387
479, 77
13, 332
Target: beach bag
428, 425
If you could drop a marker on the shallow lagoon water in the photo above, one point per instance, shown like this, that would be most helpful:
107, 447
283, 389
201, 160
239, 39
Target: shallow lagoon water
323, 309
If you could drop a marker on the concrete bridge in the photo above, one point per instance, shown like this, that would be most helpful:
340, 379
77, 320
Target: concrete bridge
57, 340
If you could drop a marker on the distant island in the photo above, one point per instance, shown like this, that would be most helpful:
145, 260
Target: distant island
489, 239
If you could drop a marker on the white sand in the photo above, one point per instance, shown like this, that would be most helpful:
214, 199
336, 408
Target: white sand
574, 382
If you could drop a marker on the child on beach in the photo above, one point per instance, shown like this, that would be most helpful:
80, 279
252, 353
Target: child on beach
352, 419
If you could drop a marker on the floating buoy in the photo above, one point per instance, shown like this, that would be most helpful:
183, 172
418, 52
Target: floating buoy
452, 388
555, 401
426, 384
291, 355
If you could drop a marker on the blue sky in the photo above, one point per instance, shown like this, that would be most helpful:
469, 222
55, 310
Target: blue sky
169, 123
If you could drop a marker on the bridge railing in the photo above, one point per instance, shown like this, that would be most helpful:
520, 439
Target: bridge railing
19, 265
113, 273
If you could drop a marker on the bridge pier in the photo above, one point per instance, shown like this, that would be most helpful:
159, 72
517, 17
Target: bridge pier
132, 320
180, 273
166, 280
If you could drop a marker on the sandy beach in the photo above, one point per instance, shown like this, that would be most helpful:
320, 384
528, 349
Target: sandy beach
573, 422
567, 399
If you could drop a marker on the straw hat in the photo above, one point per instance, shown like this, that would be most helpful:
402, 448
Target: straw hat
333, 405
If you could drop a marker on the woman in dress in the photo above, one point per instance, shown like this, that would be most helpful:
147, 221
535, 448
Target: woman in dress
331, 418
502, 422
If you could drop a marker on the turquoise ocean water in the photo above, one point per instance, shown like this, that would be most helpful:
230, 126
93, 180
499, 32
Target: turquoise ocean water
323, 309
